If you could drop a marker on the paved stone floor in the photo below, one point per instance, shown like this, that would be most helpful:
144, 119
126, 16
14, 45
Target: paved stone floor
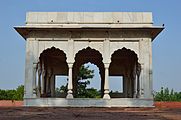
33, 113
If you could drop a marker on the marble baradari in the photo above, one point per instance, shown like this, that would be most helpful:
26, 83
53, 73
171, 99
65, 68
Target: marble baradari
119, 43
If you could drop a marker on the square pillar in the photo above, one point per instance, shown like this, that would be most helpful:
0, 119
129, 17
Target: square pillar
29, 88
146, 68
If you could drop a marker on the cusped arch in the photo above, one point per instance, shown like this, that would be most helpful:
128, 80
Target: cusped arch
122, 60
54, 58
88, 50
88, 55
83, 48
131, 49
126, 51
53, 51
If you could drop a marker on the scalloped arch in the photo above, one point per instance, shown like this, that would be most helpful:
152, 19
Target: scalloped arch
56, 51
124, 49
86, 47
97, 60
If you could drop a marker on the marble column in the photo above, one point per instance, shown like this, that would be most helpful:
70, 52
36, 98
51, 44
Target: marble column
126, 78
138, 87
35, 90
141, 83
70, 86
124, 86
135, 88
47, 89
39, 80
43, 82
106, 83
52, 86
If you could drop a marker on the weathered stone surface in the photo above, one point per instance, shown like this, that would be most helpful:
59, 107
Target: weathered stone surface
84, 102
88, 17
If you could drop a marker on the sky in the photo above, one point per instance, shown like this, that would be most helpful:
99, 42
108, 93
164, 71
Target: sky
166, 47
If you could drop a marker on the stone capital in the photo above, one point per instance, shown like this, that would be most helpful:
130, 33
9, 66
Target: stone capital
106, 65
70, 65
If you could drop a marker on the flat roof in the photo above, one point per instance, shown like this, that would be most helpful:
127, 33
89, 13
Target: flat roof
124, 21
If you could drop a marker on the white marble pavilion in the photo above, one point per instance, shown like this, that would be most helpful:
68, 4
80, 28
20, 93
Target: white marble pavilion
118, 43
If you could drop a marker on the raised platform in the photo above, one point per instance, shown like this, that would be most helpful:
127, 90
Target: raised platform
86, 102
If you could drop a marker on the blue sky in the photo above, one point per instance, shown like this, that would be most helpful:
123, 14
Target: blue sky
166, 47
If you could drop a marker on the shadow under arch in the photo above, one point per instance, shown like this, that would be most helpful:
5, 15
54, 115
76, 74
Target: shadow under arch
87, 55
124, 62
52, 62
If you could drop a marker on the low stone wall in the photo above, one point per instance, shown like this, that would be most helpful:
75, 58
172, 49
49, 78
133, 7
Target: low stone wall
10, 103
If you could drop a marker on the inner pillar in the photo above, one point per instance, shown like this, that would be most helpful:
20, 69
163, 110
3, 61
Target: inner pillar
106, 82
70, 85
52, 87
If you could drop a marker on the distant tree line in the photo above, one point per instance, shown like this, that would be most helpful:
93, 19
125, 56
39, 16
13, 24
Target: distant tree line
163, 95
16, 94
167, 95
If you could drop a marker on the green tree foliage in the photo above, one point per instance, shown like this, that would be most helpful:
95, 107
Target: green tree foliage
12, 94
92, 93
3, 95
167, 95
85, 73
83, 79
20, 92
61, 92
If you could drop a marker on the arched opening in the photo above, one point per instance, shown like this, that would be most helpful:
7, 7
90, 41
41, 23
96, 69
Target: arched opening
88, 82
52, 68
124, 65
84, 56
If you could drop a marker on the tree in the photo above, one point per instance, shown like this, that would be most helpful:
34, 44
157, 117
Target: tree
12, 94
20, 92
85, 73
167, 95
3, 94
83, 79
61, 92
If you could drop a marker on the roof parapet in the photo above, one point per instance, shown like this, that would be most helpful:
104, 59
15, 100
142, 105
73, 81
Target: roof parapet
89, 18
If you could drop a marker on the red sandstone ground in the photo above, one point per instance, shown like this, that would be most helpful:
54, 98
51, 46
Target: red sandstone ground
163, 111
10, 103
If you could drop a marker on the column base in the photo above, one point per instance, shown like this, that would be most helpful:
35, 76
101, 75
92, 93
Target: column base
135, 96
106, 96
138, 95
70, 96
34, 95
